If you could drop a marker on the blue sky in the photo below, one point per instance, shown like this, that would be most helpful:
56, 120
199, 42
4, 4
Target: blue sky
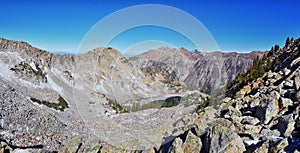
235, 25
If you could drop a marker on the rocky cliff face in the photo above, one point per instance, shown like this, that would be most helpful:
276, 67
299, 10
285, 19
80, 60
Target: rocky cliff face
197, 70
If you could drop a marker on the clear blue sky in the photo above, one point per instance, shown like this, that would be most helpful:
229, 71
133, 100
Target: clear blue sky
236, 25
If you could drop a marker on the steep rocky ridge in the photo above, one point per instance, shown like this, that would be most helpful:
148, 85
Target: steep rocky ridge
206, 71
261, 115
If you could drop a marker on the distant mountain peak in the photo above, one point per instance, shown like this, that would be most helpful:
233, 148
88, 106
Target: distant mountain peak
198, 70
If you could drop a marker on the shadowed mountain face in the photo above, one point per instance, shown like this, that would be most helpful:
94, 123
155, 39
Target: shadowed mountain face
206, 71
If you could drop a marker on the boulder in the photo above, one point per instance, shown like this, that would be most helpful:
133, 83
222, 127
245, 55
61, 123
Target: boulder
249, 120
223, 139
233, 114
226, 99
152, 150
255, 102
270, 133
248, 129
176, 146
263, 148
279, 146
203, 119
266, 110
225, 122
289, 129
92, 147
74, 144
245, 90
192, 143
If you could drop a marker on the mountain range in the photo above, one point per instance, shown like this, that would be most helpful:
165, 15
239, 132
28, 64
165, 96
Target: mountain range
205, 71
102, 101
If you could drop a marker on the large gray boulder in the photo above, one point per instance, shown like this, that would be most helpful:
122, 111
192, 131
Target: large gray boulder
203, 120
267, 110
192, 144
223, 139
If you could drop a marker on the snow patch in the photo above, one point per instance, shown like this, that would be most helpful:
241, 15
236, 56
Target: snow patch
33, 66
250, 142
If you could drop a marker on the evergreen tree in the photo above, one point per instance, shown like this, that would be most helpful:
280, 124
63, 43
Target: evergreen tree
287, 42
277, 62
270, 53
276, 48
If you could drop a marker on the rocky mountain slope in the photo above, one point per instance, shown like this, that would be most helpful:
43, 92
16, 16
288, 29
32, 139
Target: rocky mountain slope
49, 100
206, 71
261, 115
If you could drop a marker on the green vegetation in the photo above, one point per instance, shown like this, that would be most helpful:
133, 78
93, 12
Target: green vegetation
158, 104
288, 41
61, 105
116, 106
272, 61
137, 106
172, 101
39, 72
25, 67
259, 67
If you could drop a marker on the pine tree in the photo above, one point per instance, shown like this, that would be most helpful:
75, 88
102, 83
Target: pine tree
276, 48
287, 42
270, 53
277, 62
